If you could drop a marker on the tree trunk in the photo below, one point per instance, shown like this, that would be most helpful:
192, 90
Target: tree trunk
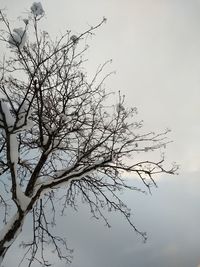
9, 233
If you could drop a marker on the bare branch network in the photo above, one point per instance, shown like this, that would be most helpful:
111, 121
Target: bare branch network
58, 132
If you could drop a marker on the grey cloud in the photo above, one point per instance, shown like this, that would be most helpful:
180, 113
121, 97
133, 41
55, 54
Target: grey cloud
170, 216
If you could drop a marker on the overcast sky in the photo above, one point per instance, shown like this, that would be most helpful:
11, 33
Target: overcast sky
155, 47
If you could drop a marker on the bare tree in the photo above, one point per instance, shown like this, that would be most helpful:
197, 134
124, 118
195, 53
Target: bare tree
58, 131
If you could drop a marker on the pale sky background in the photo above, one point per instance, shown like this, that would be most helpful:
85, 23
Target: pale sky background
155, 47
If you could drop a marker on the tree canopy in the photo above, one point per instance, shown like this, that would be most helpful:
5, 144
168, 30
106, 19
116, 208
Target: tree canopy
59, 129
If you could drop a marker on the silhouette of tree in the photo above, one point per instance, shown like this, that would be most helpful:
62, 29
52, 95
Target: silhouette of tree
58, 131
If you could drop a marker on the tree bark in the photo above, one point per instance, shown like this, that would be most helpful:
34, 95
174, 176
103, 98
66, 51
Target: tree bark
10, 232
